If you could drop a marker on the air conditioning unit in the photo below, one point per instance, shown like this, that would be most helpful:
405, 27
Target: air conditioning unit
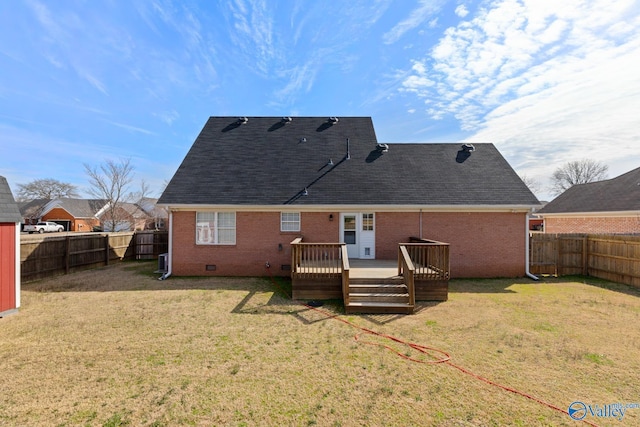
163, 263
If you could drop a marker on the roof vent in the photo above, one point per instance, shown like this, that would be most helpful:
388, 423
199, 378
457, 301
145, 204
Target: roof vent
242, 120
286, 120
303, 139
333, 120
469, 148
383, 148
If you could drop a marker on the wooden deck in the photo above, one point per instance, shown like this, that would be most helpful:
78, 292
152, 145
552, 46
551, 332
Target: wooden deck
323, 271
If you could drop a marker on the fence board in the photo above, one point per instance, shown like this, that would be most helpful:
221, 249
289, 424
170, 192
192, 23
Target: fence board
55, 255
609, 257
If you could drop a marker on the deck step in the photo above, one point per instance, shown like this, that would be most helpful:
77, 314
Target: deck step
391, 288
394, 280
379, 308
379, 297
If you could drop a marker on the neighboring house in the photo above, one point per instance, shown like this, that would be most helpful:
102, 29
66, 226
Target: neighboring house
85, 215
143, 215
156, 215
9, 251
74, 214
31, 211
250, 186
604, 207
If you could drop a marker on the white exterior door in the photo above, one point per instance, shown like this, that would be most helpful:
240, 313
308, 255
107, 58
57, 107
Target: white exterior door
357, 230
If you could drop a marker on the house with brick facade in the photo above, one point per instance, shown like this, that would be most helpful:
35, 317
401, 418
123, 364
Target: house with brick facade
611, 206
74, 214
249, 187
85, 215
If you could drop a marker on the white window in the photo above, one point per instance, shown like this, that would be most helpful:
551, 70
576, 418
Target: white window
367, 222
216, 228
290, 221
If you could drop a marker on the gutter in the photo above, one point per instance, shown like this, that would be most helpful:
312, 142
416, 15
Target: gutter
526, 256
166, 275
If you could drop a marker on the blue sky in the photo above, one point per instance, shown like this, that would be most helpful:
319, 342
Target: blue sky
546, 81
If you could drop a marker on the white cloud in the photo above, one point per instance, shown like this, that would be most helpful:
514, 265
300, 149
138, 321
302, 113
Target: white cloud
168, 116
426, 11
558, 79
461, 11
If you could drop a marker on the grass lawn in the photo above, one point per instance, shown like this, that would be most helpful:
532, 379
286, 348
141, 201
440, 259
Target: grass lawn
114, 346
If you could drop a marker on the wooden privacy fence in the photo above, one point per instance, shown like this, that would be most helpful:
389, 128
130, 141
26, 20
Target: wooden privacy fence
609, 257
55, 255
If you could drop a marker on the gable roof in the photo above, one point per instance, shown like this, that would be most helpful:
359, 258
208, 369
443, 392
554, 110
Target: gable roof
9, 211
78, 208
269, 161
33, 208
621, 194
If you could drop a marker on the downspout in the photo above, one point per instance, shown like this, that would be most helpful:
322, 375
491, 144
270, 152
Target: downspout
526, 256
421, 223
170, 257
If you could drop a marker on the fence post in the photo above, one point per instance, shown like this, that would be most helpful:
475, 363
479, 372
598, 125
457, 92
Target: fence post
67, 254
585, 255
106, 249
558, 256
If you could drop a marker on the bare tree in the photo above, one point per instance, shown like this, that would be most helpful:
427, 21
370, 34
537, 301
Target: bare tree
577, 172
143, 191
110, 182
46, 188
533, 184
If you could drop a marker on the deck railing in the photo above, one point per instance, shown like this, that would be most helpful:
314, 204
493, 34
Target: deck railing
316, 260
345, 274
407, 270
319, 270
430, 258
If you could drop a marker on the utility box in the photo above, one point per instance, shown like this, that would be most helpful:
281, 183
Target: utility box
9, 251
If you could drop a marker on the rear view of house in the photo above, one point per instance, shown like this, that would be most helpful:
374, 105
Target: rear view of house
249, 187
9, 251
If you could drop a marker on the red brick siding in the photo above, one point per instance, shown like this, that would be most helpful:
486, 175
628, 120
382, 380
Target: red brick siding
257, 238
481, 244
80, 224
592, 225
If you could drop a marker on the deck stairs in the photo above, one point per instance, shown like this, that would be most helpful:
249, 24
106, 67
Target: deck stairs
372, 295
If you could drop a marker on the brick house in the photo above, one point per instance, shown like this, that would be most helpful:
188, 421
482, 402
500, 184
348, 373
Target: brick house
611, 206
248, 187
75, 214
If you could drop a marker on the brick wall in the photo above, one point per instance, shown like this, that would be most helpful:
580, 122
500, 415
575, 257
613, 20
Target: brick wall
258, 237
592, 225
79, 224
481, 244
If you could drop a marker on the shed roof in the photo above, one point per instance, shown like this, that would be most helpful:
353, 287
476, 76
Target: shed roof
9, 211
620, 194
313, 161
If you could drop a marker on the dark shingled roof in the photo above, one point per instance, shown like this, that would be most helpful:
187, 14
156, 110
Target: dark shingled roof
612, 195
267, 161
80, 208
9, 211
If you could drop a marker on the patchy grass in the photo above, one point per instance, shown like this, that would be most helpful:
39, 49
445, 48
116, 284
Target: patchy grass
116, 347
